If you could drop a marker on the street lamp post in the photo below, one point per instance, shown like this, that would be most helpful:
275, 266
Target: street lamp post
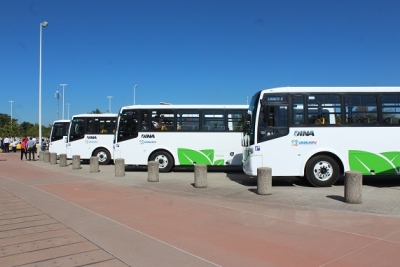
57, 96
109, 103
134, 93
67, 109
63, 85
42, 24
11, 101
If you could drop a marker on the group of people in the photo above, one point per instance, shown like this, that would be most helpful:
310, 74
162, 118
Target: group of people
6, 142
28, 147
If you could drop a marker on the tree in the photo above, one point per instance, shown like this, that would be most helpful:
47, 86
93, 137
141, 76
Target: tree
97, 111
6, 125
13, 129
25, 126
4, 119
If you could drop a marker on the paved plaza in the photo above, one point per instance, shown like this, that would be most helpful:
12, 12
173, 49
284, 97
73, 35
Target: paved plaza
57, 216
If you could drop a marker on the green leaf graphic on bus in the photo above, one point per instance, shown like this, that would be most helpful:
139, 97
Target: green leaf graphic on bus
394, 157
209, 153
368, 163
189, 156
219, 162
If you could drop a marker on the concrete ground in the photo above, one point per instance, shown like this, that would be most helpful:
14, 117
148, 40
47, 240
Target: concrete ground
57, 216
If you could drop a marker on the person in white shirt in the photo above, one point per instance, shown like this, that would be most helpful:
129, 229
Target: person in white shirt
34, 140
14, 145
6, 144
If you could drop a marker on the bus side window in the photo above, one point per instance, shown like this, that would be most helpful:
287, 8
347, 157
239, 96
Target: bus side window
144, 126
388, 120
320, 120
298, 109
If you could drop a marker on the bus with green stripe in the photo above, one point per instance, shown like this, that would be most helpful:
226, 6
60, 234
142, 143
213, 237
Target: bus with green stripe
180, 135
319, 133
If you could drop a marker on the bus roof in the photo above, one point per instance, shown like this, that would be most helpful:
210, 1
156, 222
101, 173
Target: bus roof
58, 121
185, 107
89, 115
338, 89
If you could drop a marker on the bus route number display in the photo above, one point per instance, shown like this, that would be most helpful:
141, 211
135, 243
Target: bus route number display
275, 99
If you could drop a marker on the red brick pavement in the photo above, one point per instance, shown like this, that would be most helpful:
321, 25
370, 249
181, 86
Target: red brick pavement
64, 218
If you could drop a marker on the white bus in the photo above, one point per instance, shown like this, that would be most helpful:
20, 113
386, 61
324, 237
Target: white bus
180, 135
321, 132
92, 135
58, 137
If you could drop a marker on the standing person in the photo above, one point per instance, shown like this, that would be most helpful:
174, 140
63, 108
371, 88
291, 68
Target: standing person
2, 145
6, 144
31, 148
23, 148
43, 145
34, 140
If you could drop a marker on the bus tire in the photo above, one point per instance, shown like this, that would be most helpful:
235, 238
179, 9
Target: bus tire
103, 155
164, 159
322, 171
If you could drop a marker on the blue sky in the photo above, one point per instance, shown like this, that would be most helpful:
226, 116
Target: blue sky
188, 51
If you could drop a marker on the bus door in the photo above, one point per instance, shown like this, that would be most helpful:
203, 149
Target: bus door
75, 137
131, 121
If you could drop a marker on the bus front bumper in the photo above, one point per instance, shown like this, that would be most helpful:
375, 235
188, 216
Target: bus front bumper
252, 163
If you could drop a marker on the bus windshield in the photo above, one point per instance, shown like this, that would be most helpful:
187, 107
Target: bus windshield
249, 122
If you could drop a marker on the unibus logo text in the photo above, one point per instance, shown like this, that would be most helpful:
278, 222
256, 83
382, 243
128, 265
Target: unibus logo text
304, 133
91, 137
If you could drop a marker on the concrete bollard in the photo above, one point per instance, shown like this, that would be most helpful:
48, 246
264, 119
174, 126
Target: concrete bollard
40, 155
63, 160
200, 176
76, 162
53, 158
119, 167
94, 164
264, 181
353, 187
153, 171
46, 156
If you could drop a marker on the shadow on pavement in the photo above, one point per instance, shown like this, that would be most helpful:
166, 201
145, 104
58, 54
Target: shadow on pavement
236, 175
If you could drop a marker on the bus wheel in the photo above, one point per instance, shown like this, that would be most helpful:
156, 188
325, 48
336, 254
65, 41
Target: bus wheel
322, 171
103, 155
164, 159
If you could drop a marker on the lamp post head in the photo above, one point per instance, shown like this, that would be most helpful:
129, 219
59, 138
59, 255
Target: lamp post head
44, 23
135, 86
